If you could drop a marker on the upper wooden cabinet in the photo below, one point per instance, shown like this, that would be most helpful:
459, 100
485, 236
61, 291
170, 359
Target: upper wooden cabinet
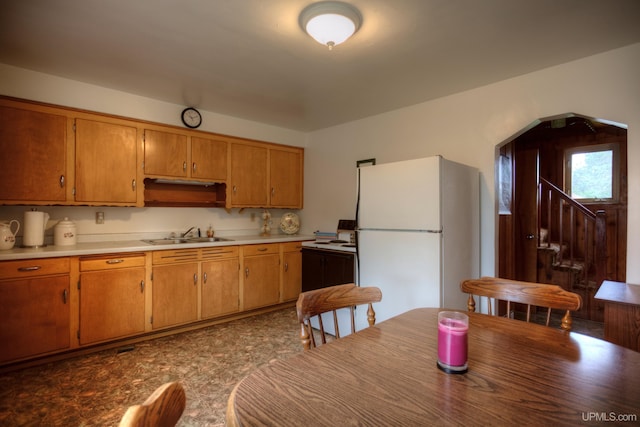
63, 156
165, 154
264, 176
33, 164
285, 178
248, 186
178, 155
106, 163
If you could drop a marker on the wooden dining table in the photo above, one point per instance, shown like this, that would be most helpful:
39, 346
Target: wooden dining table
519, 374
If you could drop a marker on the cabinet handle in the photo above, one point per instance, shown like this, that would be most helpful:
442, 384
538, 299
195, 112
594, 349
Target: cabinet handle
114, 261
273, 191
195, 278
246, 272
133, 185
61, 181
193, 167
32, 268
235, 189
64, 296
286, 267
184, 166
204, 277
262, 249
142, 286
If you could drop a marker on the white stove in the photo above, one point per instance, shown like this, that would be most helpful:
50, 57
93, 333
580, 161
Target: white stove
331, 245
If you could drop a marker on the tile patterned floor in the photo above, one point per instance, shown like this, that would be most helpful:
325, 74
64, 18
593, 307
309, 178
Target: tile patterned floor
95, 390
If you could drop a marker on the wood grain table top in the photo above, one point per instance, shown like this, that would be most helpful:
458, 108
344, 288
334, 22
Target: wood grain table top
519, 374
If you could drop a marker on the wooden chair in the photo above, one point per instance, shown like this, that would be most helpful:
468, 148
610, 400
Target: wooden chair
531, 294
313, 303
162, 409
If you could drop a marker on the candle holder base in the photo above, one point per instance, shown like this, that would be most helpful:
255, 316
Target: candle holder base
452, 369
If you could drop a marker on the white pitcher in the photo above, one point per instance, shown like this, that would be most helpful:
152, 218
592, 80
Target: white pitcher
35, 223
8, 237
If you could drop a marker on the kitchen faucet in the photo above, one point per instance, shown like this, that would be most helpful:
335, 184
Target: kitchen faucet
187, 232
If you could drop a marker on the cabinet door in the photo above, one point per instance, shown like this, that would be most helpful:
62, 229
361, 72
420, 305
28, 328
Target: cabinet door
111, 304
175, 294
291, 275
285, 174
34, 316
33, 162
261, 281
208, 159
220, 287
106, 160
165, 154
248, 176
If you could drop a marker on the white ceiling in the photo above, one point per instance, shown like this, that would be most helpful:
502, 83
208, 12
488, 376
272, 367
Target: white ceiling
250, 59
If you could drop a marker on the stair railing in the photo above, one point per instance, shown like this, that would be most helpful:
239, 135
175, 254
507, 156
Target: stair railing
594, 249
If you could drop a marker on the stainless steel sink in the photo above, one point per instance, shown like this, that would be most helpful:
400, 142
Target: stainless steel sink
182, 240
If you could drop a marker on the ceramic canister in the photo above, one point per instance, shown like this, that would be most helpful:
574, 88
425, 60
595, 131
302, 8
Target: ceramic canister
64, 233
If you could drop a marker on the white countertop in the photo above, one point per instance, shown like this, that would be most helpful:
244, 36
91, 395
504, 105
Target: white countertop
97, 248
327, 246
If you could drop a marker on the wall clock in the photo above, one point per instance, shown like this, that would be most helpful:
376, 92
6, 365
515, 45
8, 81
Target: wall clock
191, 118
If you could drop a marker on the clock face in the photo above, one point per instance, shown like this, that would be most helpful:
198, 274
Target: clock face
191, 117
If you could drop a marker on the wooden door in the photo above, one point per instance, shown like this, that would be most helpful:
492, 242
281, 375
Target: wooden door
291, 274
261, 281
111, 304
106, 162
248, 176
34, 316
33, 161
285, 174
220, 287
175, 294
165, 154
208, 159
525, 219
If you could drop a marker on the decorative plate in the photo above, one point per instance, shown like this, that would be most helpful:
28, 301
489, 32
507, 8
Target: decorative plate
290, 223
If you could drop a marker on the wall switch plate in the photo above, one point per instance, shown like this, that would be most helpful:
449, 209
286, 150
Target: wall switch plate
99, 217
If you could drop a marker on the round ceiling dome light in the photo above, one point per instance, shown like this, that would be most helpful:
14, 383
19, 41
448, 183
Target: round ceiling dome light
330, 22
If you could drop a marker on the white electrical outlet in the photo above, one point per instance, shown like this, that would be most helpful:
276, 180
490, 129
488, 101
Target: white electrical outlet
99, 217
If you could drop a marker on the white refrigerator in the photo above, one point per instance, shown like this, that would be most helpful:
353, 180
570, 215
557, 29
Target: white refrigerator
418, 234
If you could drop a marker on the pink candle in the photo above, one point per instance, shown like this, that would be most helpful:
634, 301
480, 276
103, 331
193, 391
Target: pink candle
452, 340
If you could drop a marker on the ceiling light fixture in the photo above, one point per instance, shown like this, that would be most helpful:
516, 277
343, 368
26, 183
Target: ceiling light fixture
330, 22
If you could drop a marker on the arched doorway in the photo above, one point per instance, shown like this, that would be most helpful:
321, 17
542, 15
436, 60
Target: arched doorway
539, 241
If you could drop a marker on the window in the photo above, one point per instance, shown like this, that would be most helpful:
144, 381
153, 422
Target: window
592, 173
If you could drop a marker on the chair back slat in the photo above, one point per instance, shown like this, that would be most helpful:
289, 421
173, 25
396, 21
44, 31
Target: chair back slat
314, 303
529, 293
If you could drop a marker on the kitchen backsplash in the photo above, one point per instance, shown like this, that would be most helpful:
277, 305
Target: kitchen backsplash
122, 223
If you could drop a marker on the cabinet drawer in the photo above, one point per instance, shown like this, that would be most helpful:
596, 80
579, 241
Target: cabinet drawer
220, 252
178, 255
268, 248
33, 267
291, 246
112, 261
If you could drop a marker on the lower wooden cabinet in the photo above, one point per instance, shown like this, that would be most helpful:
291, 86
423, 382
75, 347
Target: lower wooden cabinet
34, 308
261, 275
112, 297
220, 281
122, 297
175, 294
291, 271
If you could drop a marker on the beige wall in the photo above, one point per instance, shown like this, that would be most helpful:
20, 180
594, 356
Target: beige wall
465, 127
